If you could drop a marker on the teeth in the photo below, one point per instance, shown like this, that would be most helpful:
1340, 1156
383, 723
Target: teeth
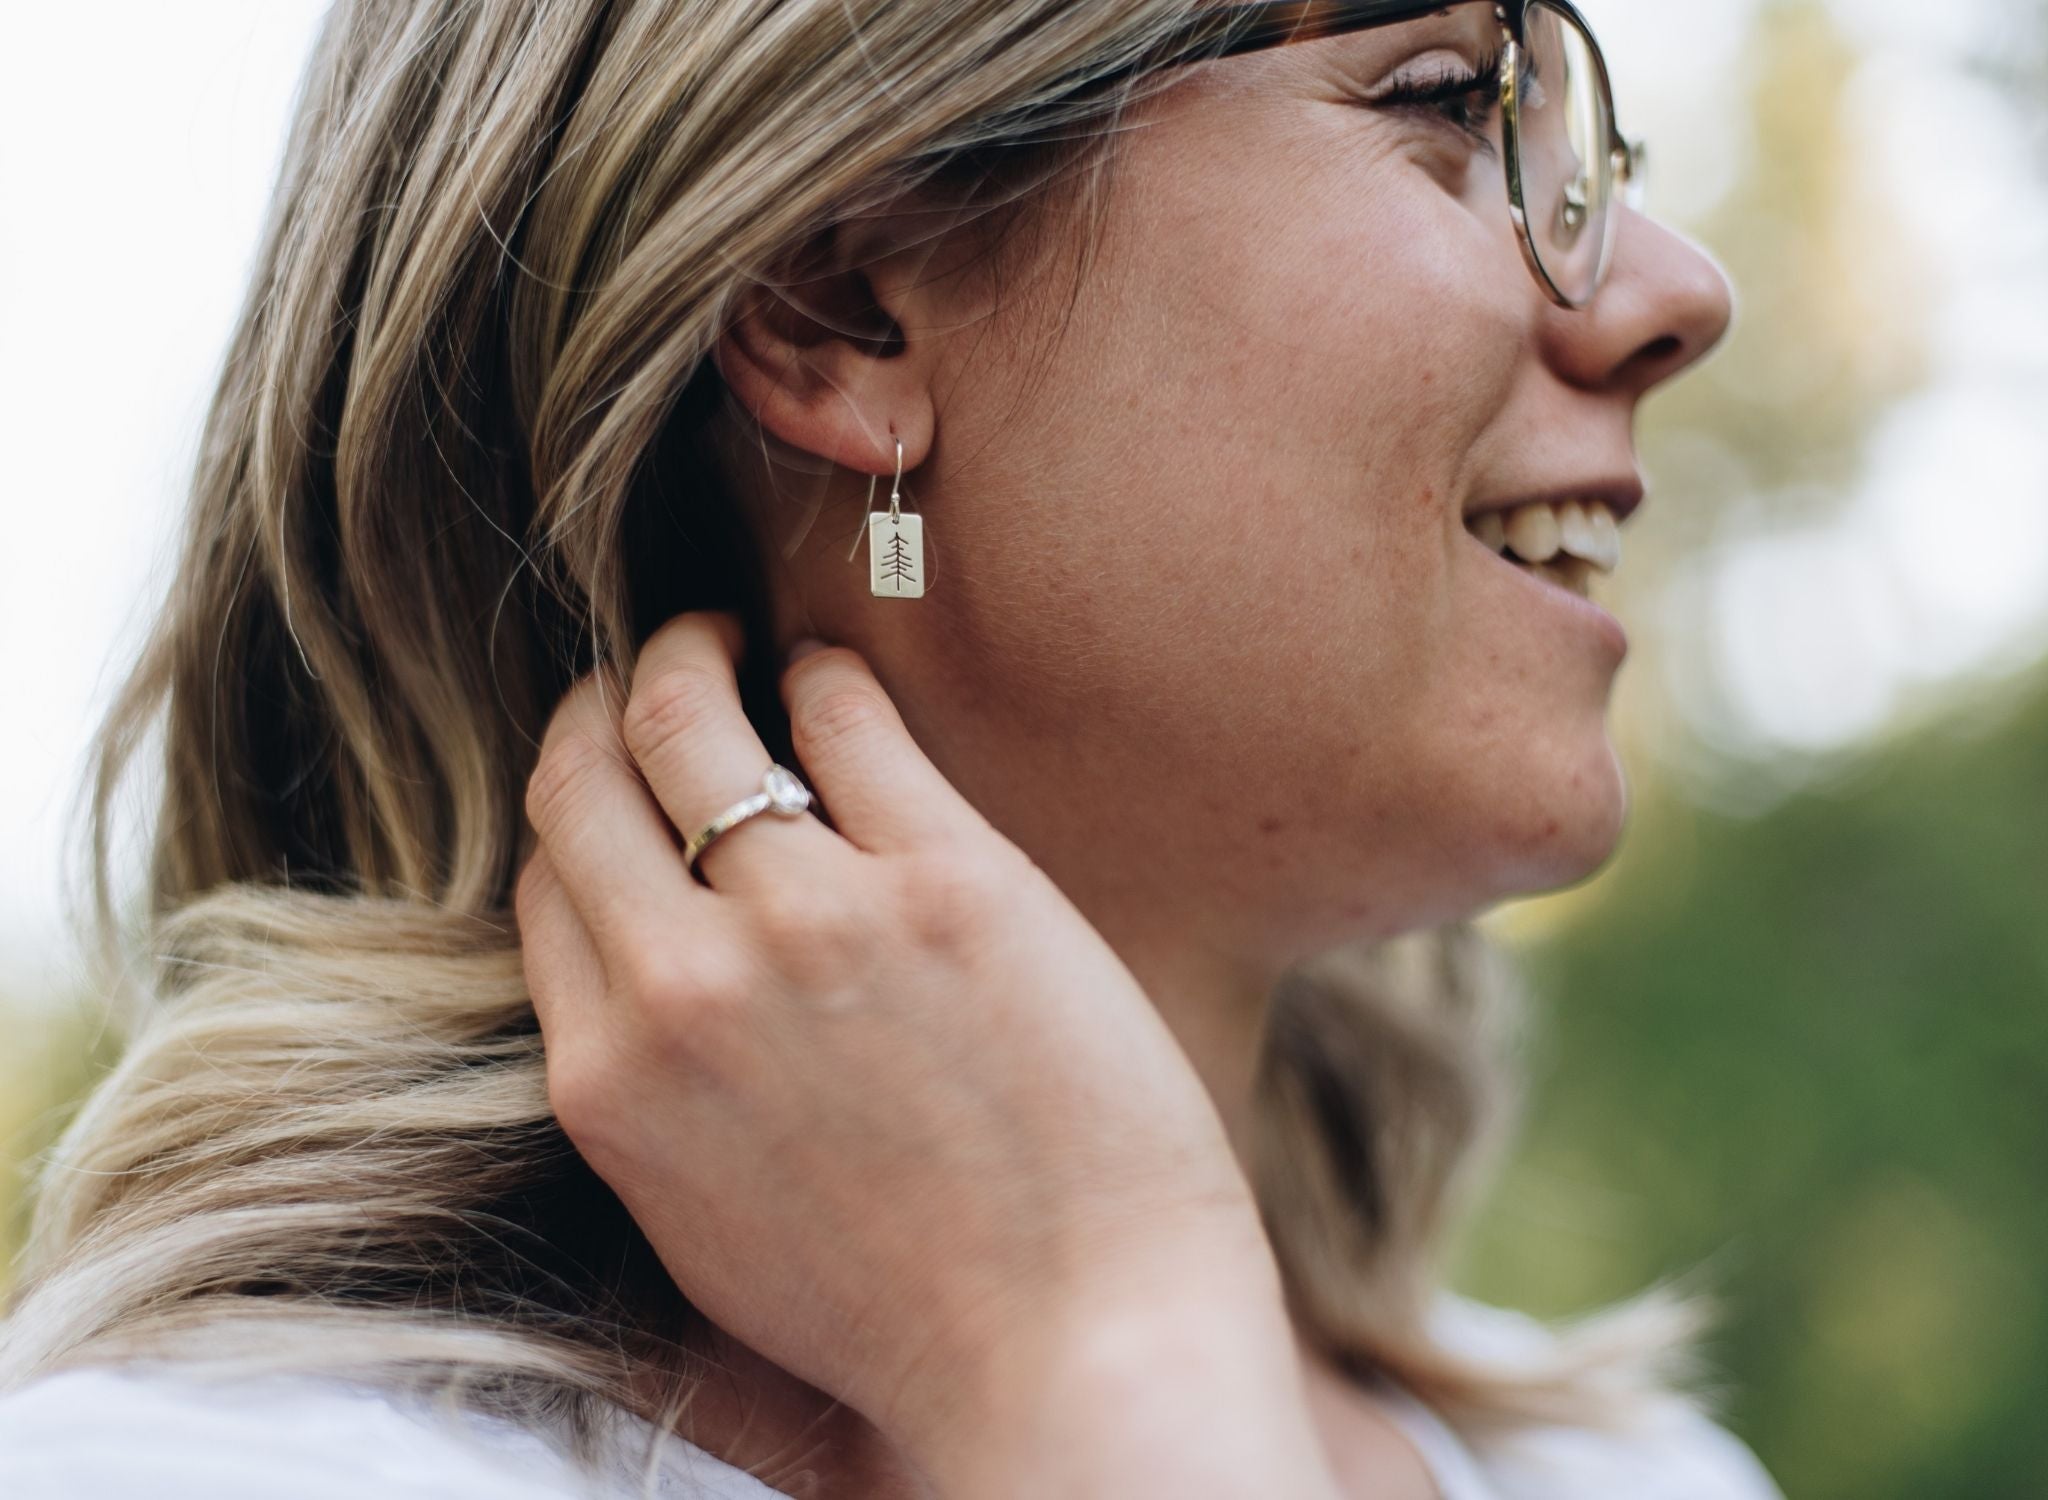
1539, 532
1578, 575
1606, 538
1575, 526
1534, 533
1573, 573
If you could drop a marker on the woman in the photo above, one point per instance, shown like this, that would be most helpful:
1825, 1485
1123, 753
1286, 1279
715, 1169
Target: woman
1097, 1058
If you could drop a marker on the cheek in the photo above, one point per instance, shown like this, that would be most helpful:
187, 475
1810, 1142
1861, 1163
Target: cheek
1216, 554
1321, 348
1305, 375
1258, 439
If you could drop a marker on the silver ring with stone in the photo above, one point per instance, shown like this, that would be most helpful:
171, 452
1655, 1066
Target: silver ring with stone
780, 792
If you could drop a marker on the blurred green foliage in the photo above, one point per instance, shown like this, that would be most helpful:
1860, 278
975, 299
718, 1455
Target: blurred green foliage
1806, 1056
51, 1053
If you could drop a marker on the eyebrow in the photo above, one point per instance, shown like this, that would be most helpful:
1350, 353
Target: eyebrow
1226, 30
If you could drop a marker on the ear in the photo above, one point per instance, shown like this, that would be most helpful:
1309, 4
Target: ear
836, 353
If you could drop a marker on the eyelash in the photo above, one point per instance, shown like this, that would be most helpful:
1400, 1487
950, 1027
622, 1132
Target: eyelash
1455, 89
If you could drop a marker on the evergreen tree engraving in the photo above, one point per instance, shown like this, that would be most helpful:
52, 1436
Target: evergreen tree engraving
896, 562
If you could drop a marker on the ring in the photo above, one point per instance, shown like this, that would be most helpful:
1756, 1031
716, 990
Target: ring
780, 792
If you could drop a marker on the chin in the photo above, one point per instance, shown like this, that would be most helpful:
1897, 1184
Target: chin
1570, 835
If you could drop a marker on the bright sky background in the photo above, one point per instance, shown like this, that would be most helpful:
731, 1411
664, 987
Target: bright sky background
137, 143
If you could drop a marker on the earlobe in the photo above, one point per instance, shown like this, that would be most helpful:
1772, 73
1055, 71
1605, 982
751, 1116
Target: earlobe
822, 367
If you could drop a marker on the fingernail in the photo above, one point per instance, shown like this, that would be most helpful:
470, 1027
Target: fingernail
804, 648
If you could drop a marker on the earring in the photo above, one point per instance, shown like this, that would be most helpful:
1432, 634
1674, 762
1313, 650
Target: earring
895, 543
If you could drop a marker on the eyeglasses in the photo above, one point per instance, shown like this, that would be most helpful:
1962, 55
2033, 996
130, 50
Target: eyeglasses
1565, 160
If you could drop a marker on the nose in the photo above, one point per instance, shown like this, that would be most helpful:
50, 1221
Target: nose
1664, 304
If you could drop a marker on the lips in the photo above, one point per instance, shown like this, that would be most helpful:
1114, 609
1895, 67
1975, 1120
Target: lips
1621, 497
1560, 538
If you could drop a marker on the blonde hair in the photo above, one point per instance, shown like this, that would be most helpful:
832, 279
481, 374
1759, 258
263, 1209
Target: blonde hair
471, 371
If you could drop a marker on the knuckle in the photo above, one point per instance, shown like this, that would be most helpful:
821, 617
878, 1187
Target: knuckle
656, 979
679, 1005
778, 915
561, 779
787, 908
706, 1038
811, 936
581, 1093
668, 705
948, 902
836, 717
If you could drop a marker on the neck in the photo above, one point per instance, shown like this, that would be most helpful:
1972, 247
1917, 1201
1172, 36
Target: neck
1216, 1004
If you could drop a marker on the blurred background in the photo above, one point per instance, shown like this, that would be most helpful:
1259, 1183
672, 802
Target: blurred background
1793, 1040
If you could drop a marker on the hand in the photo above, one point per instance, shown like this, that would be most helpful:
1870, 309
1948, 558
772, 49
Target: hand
889, 1109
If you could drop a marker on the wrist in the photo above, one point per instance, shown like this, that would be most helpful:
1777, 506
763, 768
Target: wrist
1194, 1391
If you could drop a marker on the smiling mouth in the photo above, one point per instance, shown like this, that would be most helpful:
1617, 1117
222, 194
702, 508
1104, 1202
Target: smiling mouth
1565, 543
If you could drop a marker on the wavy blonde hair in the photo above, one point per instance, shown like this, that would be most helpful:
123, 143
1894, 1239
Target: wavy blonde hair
467, 400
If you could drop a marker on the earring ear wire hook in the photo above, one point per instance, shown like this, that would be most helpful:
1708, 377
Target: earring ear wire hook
895, 500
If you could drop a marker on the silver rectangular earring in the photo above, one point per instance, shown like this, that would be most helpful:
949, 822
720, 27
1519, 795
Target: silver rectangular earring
895, 543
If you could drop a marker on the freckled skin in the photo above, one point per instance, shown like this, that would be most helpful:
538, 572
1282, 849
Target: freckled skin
1205, 633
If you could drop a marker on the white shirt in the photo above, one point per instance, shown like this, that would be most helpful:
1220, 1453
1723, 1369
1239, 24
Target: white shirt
119, 1434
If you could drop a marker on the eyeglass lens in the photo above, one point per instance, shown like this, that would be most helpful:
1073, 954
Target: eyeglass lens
1566, 146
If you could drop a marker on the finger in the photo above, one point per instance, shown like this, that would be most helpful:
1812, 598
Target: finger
885, 794
582, 1037
609, 843
564, 975
686, 729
